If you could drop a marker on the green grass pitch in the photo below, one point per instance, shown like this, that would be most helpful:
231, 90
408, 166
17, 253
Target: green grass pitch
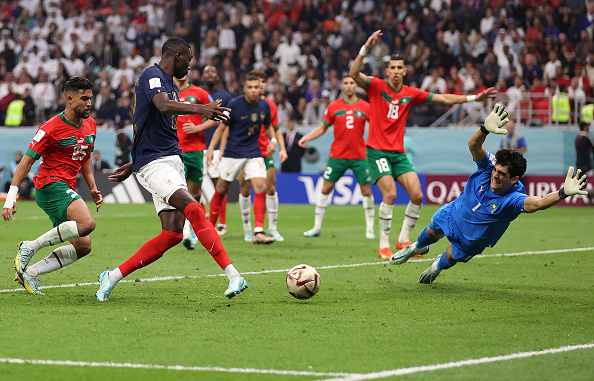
367, 318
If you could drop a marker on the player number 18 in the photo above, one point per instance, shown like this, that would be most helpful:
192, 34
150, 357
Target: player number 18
382, 165
393, 112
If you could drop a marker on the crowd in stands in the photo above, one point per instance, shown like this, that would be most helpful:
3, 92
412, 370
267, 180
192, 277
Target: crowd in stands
522, 47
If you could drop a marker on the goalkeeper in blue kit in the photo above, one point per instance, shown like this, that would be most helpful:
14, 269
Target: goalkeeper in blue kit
492, 198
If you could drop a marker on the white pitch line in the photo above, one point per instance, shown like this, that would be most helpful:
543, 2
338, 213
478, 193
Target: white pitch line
456, 364
162, 278
175, 367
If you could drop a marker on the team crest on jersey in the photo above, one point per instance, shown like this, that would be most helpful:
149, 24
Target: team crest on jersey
254, 117
262, 115
493, 207
405, 100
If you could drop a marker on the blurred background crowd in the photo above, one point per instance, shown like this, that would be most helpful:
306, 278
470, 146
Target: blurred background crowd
530, 50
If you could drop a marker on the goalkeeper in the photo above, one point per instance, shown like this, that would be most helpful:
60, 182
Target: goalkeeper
492, 198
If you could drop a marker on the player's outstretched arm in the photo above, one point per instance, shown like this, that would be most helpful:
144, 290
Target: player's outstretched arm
452, 99
355, 70
191, 128
496, 119
313, 134
212, 110
89, 175
573, 185
10, 205
121, 173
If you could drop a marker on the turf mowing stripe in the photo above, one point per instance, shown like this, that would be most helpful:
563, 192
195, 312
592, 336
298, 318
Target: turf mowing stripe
482, 360
176, 367
156, 279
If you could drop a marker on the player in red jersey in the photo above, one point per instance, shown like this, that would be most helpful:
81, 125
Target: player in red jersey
191, 141
65, 143
245, 201
391, 102
348, 115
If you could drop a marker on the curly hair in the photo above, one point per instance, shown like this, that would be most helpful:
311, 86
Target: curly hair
174, 45
513, 160
74, 84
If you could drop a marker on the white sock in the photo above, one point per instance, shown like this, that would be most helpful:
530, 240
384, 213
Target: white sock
186, 229
321, 205
369, 208
231, 272
385, 224
411, 216
115, 275
61, 257
272, 208
245, 205
62, 233
434, 268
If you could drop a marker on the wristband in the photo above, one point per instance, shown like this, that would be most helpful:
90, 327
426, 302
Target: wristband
273, 140
11, 197
484, 130
562, 194
471, 98
363, 51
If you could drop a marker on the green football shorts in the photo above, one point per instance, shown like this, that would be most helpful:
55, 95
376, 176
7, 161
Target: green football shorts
269, 162
335, 168
383, 163
193, 165
54, 199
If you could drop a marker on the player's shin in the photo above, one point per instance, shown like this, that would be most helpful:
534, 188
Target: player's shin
151, 251
207, 234
272, 208
66, 231
62, 256
385, 224
425, 239
321, 205
411, 216
443, 263
223, 211
369, 207
259, 211
245, 206
215, 207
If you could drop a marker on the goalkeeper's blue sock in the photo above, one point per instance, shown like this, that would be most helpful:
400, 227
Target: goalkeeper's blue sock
425, 239
443, 263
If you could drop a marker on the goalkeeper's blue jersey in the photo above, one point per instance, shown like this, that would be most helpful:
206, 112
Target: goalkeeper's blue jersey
479, 216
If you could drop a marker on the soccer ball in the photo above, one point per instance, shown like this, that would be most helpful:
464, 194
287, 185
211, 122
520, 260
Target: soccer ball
303, 281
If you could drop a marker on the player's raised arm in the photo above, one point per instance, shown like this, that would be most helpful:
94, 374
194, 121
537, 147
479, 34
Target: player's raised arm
496, 119
452, 99
10, 205
573, 185
313, 134
355, 70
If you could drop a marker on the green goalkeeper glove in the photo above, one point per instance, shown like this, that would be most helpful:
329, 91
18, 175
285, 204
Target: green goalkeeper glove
573, 185
496, 119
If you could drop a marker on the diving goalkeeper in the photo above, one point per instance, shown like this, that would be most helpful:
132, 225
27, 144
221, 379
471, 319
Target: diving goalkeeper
492, 198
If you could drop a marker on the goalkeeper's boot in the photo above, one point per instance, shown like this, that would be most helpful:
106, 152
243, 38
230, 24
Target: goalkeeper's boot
407, 253
369, 235
385, 253
276, 235
188, 243
248, 237
429, 275
236, 286
222, 229
260, 238
23, 257
105, 287
31, 283
401, 245
312, 233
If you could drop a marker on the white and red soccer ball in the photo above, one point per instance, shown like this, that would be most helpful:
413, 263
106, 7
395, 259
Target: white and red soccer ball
303, 281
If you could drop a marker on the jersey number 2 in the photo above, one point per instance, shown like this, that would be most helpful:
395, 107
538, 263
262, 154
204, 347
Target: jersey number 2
350, 122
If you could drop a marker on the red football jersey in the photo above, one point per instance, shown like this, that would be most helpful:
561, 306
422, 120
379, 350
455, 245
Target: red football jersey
191, 142
64, 148
263, 139
349, 127
390, 109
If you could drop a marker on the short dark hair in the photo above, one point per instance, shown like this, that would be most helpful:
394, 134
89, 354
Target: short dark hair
259, 73
397, 57
252, 77
513, 160
75, 84
584, 125
174, 45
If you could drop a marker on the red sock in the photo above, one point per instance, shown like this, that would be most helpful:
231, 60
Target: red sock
151, 251
223, 210
259, 209
206, 233
215, 207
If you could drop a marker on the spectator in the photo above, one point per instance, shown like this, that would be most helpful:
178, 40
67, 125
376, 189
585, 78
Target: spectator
434, 83
513, 140
99, 165
314, 110
27, 184
44, 95
286, 55
122, 70
295, 152
584, 150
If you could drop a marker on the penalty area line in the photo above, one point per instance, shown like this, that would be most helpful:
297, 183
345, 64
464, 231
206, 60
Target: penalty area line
457, 364
163, 278
94, 364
